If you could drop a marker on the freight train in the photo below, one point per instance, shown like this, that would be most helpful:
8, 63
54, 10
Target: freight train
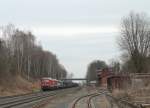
53, 84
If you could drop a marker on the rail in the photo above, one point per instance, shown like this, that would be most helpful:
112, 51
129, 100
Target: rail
30, 99
89, 96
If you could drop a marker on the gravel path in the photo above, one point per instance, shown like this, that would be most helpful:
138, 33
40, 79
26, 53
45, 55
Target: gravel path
65, 100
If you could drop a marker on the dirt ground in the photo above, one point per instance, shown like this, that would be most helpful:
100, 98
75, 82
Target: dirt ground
66, 100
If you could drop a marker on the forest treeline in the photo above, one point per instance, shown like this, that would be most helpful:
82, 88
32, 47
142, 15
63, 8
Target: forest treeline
21, 55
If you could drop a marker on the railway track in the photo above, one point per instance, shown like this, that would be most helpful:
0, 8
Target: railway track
33, 100
117, 103
28, 100
88, 98
90, 105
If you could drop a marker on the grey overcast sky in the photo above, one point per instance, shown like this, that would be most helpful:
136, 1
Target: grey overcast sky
77, 31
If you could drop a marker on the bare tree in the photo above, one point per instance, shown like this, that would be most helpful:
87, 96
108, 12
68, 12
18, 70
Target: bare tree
22, 56
135, 39
115, 65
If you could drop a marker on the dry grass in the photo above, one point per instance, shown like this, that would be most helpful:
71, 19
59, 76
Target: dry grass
140, 92
121, 94
17, 86
134, 94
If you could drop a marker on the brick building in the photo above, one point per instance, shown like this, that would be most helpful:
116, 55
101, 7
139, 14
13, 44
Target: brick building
108, 79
